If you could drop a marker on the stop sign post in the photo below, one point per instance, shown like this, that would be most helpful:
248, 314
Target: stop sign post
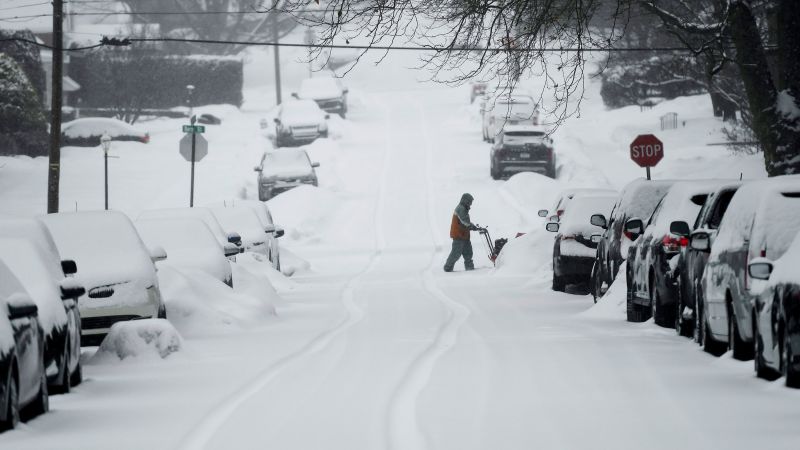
193, 147
646, 151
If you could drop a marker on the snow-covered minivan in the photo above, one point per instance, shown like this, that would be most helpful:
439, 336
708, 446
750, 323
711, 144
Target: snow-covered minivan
116, 269
761, 222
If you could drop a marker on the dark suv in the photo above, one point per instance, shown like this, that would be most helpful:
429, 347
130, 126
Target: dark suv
761, 221
638, 199
522, 148
692, 262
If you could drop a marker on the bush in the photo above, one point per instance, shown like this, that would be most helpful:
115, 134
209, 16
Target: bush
113, 78
23, 127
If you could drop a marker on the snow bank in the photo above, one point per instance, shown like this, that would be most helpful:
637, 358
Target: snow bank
303, 210
149, 338
529, 192
612, 305
291, 263
258, 265
200, 305
530, 254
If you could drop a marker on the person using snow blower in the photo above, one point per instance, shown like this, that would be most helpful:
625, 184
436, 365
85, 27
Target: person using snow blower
460, 227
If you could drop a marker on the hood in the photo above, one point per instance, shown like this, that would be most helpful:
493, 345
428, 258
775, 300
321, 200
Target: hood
466, 200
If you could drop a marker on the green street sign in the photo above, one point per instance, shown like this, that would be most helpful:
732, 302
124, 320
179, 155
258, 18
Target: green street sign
194, 129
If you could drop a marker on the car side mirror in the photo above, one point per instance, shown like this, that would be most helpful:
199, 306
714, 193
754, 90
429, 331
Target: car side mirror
101, 292
680, 228
69, 267
269, 229
599, 220
257, 169
70, 290
327, 116
552, 227
157, 253
294, 95
235, 239
760, 268
314, 164
700, 241
596, 238
20, 309
230, 250
279, 232
634, 228
542, 213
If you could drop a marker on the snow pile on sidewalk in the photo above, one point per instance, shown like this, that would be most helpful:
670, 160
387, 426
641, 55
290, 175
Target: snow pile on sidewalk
529, 192
529, 254
149, 338
302, 211
612, 305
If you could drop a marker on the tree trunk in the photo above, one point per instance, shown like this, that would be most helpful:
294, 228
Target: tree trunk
779, 136
788, 29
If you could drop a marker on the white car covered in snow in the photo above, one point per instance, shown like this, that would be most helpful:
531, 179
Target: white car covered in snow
270, 227
508, 109
299, 122
255, 236
116, 269
284, 169
326, 92
190, 245
230, 241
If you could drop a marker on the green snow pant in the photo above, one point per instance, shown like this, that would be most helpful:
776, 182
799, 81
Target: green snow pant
460, 248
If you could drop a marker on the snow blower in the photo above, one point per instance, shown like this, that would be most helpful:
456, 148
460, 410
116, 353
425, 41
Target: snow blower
493, 247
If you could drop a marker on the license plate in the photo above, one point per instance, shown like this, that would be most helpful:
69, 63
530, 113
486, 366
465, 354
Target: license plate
525, 155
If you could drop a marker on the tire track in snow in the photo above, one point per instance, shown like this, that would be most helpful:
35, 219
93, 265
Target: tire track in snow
404, 432
198, 437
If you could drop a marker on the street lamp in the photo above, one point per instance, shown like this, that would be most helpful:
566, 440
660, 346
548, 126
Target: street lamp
106, 141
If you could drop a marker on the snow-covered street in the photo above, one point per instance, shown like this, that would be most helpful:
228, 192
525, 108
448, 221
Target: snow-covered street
375, 347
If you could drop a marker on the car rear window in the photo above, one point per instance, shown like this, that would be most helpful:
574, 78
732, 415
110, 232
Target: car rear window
776, 225
640, 199
524, 133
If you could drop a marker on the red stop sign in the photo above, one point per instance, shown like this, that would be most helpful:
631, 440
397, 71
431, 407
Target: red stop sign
647, 150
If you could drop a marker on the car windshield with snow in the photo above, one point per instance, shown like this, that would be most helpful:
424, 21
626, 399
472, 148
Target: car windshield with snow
284, 169
229, 240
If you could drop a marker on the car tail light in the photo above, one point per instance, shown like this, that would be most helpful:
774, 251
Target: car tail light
145, 139
559, 212
568, 237
673, 244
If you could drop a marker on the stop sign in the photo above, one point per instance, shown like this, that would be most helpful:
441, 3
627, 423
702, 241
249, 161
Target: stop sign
647, 150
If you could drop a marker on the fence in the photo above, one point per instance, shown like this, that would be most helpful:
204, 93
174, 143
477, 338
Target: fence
669, 121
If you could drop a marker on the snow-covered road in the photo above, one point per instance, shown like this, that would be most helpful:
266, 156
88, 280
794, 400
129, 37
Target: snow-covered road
377, 348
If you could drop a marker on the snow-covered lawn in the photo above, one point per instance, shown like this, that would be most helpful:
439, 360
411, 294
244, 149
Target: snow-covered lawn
371, 345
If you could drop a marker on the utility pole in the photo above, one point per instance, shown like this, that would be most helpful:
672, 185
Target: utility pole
54, 168
275, 37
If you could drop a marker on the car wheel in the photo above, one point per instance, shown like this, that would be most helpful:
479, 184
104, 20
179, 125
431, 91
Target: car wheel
683, 327
494, 172
12, 405
41, 404
558, 283
711, 345
64, 385
656, 310
634, 311
762, 370
77, 376
790, 372
594, 286
741, 350
698, 314
162, 312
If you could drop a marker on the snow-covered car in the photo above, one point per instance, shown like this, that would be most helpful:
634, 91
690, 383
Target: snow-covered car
566, 196
284, 169
189, 243
637, 199
777, 316
477, 89
229, 241
87, 132
522, 148
761, 222
329, 95
273, 230
652, 280
503, 110
576, 239
116, 269
246, 223
30, 252
299, 122
23, 378
339, 83
692, 263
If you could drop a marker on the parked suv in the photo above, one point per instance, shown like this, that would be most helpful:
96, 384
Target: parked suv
652, 280
777, 315
575, 243
299, 122
638, 199
282, 170
760, 222
522, 148
328, 94
691, 262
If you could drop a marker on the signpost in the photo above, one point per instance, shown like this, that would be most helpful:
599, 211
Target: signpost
193, 147
646, 151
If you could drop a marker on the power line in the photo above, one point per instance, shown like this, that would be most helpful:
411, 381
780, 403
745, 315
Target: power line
169, 13
50, 47
28, 5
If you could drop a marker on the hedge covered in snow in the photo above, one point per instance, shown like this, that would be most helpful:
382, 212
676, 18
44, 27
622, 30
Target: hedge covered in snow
23, 127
